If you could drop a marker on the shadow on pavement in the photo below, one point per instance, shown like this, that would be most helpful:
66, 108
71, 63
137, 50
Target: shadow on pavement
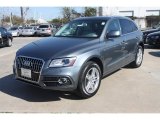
155, 53
15, 88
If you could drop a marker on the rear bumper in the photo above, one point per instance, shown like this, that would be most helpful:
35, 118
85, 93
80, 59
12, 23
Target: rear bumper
27, 33
14, 34
44, 33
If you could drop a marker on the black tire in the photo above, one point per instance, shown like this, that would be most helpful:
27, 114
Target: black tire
81, 89
136, 64
35, 34
9, 42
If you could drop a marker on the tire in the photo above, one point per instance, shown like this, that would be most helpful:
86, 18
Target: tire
35, 34
9, 43
139, 58
87, 86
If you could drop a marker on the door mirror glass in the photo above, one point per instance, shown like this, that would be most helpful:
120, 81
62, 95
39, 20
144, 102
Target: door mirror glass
113, 34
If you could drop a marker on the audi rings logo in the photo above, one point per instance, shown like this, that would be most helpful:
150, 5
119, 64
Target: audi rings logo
27, 63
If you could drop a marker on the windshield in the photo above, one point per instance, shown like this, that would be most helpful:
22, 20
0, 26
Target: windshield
28, 28
82, 28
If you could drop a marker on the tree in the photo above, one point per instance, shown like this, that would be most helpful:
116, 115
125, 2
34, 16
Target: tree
6, 19
30, 21
56, 20
17, 20
24, 12
90, 11
69, 14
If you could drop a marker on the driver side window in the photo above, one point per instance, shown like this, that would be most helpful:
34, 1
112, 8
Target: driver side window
113, 26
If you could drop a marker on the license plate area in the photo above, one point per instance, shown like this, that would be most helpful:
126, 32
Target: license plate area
26, 73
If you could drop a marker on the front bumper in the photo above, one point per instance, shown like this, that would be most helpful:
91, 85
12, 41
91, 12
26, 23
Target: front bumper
62, 79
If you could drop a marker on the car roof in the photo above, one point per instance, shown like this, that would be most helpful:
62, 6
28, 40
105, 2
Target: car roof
102, 18
44, 24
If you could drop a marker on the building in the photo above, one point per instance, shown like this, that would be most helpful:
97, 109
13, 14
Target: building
143, 16
41, 21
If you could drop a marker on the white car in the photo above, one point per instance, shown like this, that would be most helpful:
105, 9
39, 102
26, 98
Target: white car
45, 29
29, 31
15, 31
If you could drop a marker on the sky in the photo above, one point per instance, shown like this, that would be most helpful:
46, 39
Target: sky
46, 13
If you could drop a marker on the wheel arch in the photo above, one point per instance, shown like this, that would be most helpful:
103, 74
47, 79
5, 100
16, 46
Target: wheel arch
98, 61
142, 45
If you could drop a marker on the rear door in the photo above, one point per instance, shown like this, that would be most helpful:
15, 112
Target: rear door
129, 31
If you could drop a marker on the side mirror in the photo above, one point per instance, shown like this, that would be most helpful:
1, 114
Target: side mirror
113, 34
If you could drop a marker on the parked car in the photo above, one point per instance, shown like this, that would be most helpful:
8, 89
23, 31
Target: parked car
29, 31
35, 28
153, 38
15, 31
146, 32
45, 30
80, 54
5, 37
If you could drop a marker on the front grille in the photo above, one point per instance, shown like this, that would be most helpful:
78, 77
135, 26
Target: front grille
33, 64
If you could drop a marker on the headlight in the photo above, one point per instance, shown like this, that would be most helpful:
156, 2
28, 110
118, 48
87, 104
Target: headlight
64, 62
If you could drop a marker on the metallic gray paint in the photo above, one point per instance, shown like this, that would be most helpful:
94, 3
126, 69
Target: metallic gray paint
114, 53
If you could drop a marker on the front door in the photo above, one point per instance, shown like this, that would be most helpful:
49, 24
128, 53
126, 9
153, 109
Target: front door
113, 49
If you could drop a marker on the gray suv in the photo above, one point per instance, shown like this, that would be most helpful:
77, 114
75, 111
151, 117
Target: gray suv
80, 54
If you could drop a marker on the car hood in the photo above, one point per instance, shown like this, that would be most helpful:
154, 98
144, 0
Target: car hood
55, 47
155, 33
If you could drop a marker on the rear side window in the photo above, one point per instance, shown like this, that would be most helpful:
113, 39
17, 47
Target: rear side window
127, 26
43, 26
133, 26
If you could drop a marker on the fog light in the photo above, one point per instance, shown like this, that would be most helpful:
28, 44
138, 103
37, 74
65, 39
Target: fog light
63, 80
